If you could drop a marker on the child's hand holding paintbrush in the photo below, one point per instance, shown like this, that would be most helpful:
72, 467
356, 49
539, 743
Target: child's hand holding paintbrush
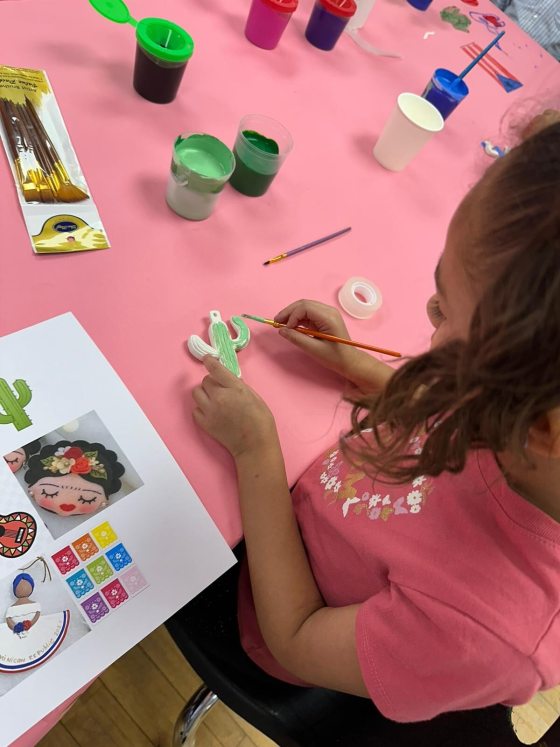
363, 370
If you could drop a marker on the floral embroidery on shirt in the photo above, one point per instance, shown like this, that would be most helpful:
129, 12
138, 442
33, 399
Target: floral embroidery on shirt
340, 489
337, 487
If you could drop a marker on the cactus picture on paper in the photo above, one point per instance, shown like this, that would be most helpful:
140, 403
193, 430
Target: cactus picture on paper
13, 401
222, 346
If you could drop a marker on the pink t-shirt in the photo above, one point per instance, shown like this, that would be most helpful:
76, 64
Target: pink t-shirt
458, 580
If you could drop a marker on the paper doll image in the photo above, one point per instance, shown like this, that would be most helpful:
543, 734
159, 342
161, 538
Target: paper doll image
73, 472
35, 622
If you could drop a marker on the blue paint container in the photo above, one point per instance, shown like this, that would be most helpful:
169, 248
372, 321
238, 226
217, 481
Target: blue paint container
327, 22
445, 91
420, 4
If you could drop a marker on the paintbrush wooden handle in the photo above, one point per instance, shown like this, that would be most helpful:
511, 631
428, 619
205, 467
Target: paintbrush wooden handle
32, 136
4, 116
341, 340
32, 112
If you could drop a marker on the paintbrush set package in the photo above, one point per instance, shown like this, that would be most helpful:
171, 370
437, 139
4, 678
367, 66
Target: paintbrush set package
55, 200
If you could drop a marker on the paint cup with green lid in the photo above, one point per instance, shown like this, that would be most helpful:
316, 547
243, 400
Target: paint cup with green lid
261, 147
200, 168
163, 50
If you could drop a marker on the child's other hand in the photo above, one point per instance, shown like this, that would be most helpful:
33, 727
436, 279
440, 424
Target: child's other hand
231, 412
319, 316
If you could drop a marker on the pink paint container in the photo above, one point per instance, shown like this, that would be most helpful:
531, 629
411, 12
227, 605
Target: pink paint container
267, 21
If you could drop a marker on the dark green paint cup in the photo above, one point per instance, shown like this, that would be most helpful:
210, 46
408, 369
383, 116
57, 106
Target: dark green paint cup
260, 149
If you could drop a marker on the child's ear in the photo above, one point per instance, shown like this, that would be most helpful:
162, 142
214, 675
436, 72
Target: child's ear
544, 435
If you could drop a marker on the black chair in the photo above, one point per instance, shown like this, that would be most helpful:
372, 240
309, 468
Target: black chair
206, 632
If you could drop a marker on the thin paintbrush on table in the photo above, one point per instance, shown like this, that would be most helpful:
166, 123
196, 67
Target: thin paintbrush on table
323, 336
305, 247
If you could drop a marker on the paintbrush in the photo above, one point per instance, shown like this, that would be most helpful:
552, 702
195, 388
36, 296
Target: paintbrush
323, 336
39, 174
15, 142
304, 247
478, 58
67, 191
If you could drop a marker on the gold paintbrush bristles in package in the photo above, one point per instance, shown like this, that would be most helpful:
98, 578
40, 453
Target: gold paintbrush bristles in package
55, 200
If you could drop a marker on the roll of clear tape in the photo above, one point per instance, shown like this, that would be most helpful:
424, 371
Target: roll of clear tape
360, 298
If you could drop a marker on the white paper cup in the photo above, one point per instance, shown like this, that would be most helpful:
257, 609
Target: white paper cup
412, 123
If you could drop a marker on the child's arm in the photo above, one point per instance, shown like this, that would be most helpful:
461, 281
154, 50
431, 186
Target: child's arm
312, 641
360, 368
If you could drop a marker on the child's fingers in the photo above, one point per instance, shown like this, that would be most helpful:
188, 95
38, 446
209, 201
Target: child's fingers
283, 315
297, 318
301, 340
297, 312
210, 387
200, 396
198, 417
219, 373
304, 316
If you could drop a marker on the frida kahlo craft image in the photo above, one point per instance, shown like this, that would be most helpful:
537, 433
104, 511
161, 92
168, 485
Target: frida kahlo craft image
73, 477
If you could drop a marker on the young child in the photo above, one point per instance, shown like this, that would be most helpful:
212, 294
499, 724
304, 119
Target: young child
417, 563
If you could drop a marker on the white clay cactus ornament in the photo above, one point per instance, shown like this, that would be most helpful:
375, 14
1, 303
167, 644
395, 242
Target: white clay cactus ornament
222, 346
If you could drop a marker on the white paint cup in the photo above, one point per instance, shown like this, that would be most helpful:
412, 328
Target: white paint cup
412, 123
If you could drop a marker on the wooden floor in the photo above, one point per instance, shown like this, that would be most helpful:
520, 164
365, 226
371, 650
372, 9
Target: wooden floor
136, 701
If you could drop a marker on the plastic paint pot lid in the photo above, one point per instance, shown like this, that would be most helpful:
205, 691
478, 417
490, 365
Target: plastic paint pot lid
114, 10
446, 80
281, 6
164, 40
341, 8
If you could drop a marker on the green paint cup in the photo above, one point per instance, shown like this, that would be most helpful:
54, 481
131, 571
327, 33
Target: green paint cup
163, 51
261, 147
200, 168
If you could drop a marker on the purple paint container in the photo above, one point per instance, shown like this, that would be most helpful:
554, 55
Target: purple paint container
327, 22
267, 21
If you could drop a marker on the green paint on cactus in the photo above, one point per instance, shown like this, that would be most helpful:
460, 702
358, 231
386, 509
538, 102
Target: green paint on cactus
227, 346
12, 406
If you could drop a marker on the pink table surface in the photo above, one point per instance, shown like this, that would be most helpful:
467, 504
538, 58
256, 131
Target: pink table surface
141, 299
